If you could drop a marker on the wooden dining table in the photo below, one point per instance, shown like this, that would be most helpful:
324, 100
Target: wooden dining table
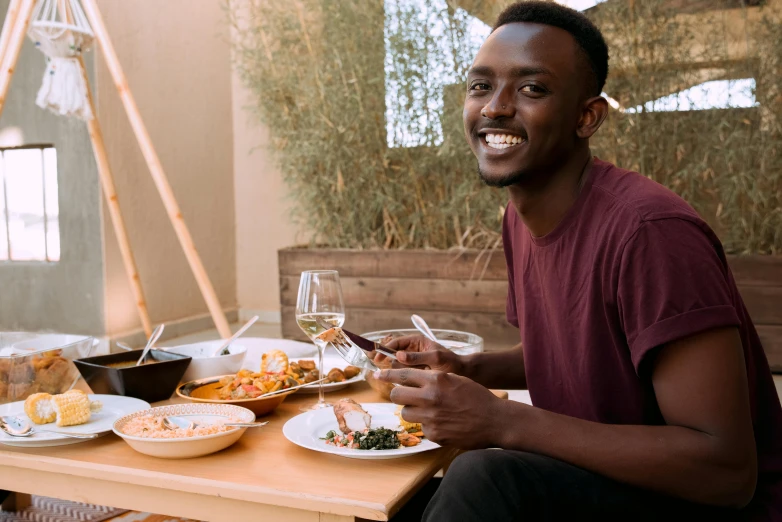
263, 476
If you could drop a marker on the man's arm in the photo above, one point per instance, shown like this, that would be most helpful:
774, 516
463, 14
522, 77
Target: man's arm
502, 370
706, 452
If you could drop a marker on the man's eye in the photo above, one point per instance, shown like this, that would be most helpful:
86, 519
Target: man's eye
479, 87
533, 88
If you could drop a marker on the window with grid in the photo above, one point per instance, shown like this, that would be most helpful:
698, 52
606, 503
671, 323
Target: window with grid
29, 209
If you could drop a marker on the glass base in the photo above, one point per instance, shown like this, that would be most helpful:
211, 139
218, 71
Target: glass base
316, 406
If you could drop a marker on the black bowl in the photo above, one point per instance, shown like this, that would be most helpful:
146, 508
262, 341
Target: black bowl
150, 382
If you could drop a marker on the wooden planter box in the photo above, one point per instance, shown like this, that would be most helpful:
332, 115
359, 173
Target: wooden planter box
467, 291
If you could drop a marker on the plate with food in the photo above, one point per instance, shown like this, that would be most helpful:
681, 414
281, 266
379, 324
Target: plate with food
205, 432
359, 431
248, 388
70, 412
338, 374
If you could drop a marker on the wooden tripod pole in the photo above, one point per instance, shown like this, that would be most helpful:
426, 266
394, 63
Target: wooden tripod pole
155, 168
17, 32
110, 193
8, 26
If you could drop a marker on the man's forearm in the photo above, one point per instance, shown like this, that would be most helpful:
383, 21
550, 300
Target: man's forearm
673, 460
503, 370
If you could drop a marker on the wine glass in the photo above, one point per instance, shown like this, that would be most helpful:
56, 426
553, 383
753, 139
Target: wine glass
319, 301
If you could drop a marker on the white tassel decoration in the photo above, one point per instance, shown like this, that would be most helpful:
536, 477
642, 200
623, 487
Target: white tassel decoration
63, 90
61, 31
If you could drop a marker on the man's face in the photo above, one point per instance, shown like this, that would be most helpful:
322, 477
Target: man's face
521, 112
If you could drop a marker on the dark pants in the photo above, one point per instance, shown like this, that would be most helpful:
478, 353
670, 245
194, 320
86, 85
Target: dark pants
500, 485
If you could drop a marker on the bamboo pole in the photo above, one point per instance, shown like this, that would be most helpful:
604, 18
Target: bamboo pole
112, 201
155, 168
15, 41
8, 25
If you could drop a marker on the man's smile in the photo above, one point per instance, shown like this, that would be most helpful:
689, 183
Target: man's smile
497, 140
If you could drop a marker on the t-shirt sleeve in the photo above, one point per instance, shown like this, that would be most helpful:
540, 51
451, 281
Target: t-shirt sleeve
510, 307
672, 283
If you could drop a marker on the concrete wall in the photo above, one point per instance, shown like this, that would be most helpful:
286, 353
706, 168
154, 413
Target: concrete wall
262, 213
68, 295
176, 58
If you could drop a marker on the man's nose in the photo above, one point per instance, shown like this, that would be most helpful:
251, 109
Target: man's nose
500, 106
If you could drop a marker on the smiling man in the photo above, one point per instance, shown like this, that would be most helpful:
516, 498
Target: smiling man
653, 397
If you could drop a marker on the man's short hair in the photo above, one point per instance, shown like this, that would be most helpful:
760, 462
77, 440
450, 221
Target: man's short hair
586, 34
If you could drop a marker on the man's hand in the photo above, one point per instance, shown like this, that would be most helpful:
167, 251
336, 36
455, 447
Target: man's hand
453, 410
417, 351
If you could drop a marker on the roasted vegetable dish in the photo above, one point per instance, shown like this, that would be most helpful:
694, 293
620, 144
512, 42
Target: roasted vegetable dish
275, 375
307, 370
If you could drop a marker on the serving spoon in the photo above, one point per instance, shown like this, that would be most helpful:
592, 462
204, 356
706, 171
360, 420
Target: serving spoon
240, 331
152, 340
422, 327
173, 422
16, 427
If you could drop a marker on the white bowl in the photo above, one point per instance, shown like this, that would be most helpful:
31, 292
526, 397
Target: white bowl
187, 447
203, 365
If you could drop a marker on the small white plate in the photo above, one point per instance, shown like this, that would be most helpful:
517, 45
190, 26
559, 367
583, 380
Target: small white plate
307, 429
188, 447
114, 407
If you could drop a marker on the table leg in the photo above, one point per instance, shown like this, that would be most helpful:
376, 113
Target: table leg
17, 502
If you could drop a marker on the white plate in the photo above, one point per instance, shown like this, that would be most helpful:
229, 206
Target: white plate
188, 447
114, 407
296, 350
306, 430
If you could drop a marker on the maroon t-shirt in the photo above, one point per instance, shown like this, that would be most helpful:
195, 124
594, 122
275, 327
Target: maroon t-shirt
630, 268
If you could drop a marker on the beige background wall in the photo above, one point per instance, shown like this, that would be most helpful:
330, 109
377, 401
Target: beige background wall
67, 295
262, 212
177, 60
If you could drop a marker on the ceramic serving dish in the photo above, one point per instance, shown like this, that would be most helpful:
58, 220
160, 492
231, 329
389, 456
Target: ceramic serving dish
187, 447
151, 382
205, 391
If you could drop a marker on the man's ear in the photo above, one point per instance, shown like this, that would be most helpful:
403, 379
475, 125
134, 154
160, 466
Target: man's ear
593, 113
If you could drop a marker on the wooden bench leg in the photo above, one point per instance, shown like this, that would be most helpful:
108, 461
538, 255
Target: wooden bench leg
17, 502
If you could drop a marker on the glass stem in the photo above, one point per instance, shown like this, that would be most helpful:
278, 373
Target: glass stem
321, 395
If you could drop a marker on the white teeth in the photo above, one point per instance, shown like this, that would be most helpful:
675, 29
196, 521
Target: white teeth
502, 141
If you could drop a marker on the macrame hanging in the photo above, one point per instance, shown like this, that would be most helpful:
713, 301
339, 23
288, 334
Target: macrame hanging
61, 31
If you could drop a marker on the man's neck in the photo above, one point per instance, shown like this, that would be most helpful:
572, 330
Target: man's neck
541, 207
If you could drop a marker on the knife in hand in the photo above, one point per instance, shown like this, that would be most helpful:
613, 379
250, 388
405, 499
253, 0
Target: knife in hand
369, 346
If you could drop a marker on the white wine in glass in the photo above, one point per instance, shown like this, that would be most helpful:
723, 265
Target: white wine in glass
320, 299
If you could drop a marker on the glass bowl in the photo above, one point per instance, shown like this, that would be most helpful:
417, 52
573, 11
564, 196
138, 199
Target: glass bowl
39, 363
462, 343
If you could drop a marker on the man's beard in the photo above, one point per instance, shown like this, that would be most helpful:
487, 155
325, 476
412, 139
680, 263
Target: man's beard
506, 181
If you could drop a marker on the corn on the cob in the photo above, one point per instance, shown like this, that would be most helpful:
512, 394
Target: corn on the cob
410, 427
275, 361
73, 407
38, 408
